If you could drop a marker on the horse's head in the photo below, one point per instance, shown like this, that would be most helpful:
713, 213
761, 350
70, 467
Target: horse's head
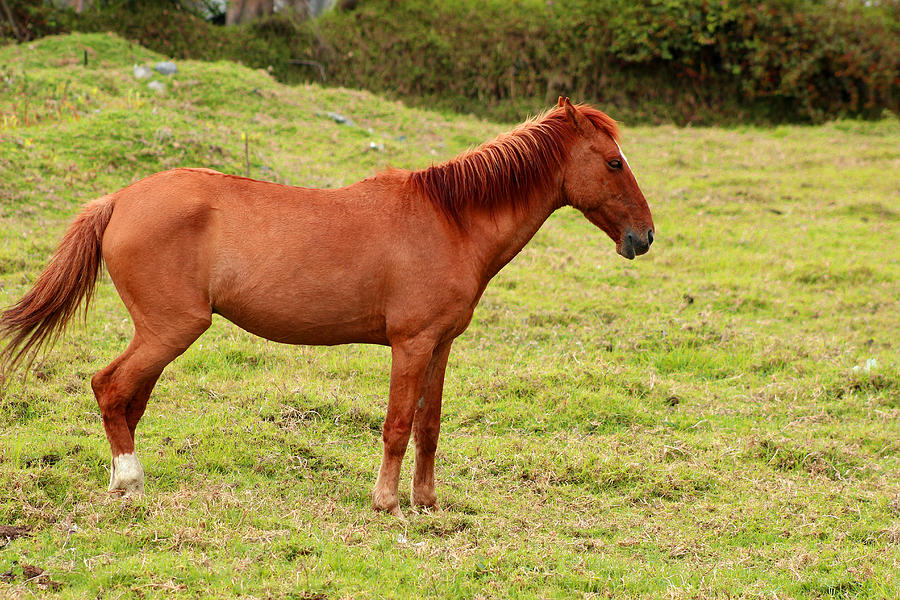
599, 183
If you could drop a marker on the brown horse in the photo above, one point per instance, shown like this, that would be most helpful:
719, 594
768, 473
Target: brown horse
398, 259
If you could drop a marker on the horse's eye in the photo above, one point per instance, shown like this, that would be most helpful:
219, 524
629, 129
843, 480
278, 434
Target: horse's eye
615, 164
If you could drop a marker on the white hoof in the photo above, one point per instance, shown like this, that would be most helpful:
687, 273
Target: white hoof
126, 475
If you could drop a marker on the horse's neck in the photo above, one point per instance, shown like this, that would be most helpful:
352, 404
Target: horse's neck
499, 236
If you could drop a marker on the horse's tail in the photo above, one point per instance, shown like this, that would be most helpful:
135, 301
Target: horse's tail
44, 310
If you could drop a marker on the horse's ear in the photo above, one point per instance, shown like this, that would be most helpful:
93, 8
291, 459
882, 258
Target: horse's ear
562, 101
581, 122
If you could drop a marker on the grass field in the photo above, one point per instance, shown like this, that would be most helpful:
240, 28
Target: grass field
717, 419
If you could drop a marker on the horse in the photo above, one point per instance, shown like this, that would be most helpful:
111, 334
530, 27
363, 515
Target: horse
399, 259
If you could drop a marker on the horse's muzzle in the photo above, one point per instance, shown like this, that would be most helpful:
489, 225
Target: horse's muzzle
633, 244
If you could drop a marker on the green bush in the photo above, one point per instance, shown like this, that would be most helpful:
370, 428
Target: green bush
660, 59
827, 58
698, 61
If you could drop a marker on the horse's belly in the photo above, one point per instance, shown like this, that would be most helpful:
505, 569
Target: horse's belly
309, 325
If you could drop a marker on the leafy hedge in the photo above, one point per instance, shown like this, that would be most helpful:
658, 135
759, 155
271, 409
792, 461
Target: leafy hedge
656, 60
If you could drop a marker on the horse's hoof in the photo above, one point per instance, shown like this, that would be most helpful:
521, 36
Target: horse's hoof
126, 476
426, 500
126, 494
429, 507
392, 510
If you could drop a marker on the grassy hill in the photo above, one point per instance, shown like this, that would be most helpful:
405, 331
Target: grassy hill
719, 418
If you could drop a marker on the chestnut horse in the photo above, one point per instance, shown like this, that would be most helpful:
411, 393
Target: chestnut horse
398, 259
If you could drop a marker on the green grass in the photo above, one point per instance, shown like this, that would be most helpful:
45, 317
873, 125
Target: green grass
698, 423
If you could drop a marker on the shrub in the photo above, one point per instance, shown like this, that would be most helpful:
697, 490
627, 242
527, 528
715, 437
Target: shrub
659, 60
692, 59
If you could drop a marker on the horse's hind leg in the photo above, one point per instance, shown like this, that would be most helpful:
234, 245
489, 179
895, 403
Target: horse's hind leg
122, 390
138, 405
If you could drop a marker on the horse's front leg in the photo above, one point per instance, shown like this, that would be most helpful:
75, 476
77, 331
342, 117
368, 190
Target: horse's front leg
410, 360
427, 428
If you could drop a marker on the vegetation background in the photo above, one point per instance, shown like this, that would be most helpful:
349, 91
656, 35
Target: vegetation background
717, 419
656, 61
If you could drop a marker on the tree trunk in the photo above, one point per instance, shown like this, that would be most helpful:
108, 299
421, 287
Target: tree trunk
12, 21
242, 11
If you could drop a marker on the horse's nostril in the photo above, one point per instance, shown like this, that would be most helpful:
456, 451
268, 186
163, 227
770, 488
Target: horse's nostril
631, 238
649, 237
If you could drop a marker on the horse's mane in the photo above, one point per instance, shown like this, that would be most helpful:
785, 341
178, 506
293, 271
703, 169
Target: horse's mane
509, 169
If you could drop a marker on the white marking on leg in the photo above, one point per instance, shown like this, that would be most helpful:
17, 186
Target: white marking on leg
126, 475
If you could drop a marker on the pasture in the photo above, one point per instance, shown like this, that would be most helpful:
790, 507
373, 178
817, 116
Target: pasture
719, 418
